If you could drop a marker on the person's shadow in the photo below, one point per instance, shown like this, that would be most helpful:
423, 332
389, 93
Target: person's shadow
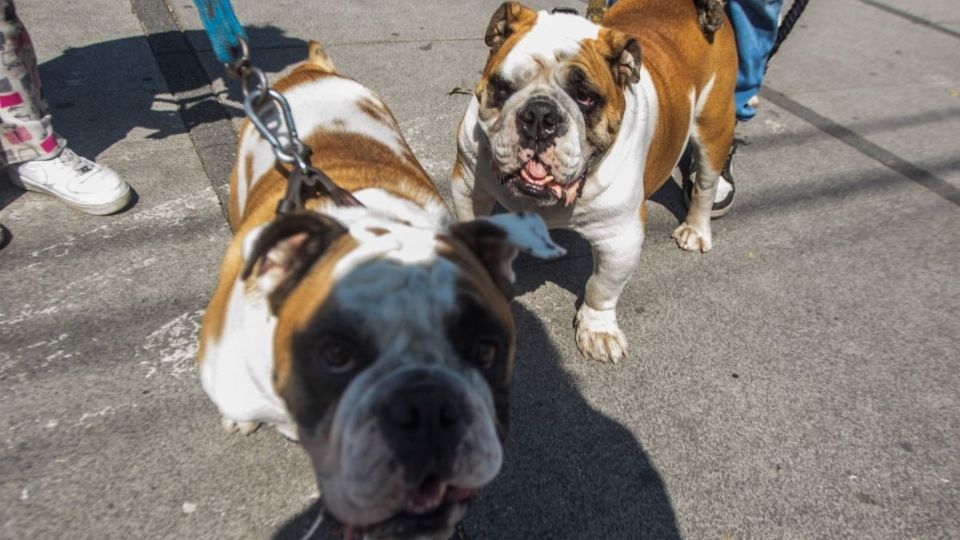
570, 472
104, 93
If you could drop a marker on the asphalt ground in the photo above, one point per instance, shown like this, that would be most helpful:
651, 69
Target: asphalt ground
801, 380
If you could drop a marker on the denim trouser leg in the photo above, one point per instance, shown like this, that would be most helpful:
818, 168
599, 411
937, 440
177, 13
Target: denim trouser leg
755, 24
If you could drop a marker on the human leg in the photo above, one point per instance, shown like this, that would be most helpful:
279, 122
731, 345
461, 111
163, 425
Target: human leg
27, 129
755, 24
35, 157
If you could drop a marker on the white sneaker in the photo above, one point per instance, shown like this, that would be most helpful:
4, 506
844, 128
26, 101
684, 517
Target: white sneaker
75, 180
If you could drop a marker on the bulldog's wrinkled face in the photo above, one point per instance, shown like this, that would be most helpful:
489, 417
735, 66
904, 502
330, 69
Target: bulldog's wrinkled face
393, 353
552, 99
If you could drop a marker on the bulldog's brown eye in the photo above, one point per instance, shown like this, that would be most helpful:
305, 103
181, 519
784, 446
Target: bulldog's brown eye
337, 357
500, 89
485, 353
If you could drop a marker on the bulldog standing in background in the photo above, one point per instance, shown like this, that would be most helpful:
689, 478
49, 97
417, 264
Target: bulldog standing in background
582, 123
379, 335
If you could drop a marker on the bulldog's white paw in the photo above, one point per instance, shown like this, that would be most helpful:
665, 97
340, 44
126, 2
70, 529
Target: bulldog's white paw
691, 238
598, 336
244, 428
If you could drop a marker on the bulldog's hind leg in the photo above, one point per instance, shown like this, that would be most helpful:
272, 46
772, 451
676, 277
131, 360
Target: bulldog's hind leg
711, 139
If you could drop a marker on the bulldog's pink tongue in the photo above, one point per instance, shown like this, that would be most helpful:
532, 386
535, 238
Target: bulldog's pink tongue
535, 170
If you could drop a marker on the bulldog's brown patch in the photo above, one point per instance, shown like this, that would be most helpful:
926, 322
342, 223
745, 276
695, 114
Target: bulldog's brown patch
588, 76
356, 161
681, 61
376, 110
211, 328
305, 300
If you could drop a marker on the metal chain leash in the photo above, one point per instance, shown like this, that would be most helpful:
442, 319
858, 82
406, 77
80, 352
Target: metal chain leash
270, 113
267, 109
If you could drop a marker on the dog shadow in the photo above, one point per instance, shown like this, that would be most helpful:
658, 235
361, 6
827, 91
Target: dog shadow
570, 472
103, 93
670, 196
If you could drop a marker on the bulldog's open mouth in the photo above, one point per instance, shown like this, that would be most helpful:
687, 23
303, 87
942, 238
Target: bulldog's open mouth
535, 179
433, 508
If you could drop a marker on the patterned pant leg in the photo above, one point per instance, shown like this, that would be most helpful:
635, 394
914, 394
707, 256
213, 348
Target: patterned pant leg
26, 130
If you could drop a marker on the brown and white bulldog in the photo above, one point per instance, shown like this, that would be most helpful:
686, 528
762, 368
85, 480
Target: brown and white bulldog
582, 123
378, 336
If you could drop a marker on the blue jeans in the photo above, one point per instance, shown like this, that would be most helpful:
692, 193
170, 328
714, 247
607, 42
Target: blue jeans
755, 23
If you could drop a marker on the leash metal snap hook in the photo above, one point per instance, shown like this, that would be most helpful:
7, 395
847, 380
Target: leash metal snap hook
239, 64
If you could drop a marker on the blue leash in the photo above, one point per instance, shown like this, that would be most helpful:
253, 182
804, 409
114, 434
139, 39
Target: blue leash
223, 28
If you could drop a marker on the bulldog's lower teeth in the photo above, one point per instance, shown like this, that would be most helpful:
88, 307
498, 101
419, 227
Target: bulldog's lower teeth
427, 503
424, 506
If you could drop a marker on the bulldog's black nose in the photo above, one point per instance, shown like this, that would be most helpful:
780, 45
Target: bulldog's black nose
540, 121
423, 422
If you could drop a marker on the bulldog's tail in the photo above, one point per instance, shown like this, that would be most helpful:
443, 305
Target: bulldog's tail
710, 15
317, 56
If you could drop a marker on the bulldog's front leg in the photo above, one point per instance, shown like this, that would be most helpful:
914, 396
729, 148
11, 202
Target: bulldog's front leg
616, 252
469, 200
468, 180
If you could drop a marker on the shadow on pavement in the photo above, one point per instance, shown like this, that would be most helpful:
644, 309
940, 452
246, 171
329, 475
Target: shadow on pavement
570, 472
670, 196
8, 192
99, 93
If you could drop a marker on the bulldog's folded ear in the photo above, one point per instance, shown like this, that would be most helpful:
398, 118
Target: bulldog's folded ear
623, 54
317, 57
507, 20
281, 252
496, 241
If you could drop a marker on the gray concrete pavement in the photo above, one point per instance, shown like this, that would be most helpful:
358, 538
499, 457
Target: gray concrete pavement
801, 380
